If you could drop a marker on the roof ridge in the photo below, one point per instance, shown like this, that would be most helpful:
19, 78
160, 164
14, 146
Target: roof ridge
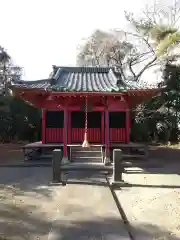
85, 69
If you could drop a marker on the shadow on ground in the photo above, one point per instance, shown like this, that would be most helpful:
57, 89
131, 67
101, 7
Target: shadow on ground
20, 220
164, 153
154, 166
38, 227
161, 160
91, 228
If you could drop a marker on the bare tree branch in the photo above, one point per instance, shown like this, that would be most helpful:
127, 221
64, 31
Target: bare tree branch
118, 47
146, 67
142, 38
131, 69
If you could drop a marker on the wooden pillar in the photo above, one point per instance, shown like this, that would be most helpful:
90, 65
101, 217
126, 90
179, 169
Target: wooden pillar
65, 132
107, 154
102, 127
107, 129
43, 126
127, 126
69, 127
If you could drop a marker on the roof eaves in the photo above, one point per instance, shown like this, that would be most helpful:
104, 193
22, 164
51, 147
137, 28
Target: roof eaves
27, 82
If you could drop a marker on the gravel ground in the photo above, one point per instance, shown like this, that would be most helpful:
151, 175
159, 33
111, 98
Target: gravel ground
27, 203
152, 204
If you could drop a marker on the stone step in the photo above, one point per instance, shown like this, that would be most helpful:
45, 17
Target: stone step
92, 148
85, 153
86, 167
134, 155
86, 159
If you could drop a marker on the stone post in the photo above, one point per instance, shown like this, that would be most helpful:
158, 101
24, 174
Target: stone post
56, 165
117, 167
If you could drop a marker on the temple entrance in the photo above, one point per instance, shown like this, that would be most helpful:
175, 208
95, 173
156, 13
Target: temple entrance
78, 124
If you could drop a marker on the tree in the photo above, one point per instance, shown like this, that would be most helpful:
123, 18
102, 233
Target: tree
158, 30
158, 25
115, 48
18, 120
8, 71
104, 49
112, 49
136, 51
149, 42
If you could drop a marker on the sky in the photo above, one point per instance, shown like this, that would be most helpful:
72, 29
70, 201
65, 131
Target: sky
41, 33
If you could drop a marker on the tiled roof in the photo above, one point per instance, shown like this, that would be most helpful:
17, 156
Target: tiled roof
41, 84
82, 79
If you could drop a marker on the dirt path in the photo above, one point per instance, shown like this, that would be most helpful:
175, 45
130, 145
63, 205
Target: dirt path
28, 207
152, 204
27, 203
87, 212
10, 153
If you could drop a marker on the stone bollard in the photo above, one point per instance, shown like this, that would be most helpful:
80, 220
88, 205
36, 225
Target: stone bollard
117, 167
56, 165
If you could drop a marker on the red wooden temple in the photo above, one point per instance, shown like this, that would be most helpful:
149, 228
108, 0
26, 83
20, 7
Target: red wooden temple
76, 99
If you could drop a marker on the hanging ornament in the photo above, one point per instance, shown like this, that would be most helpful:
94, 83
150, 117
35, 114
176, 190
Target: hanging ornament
86, 143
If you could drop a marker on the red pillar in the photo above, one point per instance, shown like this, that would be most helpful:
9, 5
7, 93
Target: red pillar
102, 127
69, 127
43, 126
107, 130
127, 126
65, 132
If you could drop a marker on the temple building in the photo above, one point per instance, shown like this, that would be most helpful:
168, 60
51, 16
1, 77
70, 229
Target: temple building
84, 105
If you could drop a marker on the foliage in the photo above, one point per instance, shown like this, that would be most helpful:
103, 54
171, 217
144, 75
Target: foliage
8, 71
158, 119
20, 122
158, 25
